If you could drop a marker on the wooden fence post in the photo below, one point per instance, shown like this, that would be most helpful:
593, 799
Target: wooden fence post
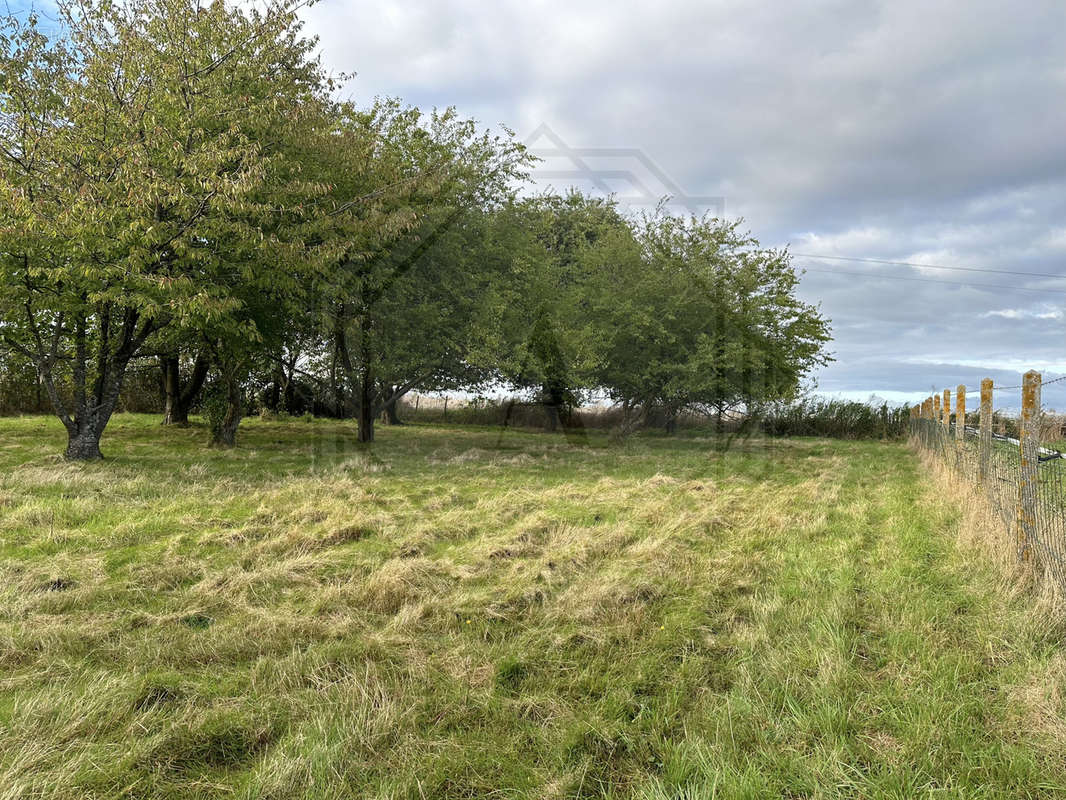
936, 408
960, 413
986, 427
945, 408
1029, 453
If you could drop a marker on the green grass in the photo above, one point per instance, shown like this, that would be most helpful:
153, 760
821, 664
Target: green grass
465, 613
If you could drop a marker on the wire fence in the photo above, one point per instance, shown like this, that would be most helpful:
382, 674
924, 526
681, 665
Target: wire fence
1023, 479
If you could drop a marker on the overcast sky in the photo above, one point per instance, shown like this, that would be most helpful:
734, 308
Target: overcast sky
932, 133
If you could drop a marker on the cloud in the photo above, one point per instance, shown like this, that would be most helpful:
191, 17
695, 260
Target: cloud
1025, 313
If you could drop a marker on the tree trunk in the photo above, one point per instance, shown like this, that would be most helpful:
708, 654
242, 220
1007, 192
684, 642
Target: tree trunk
172, 414
288, 396
119, 333
179, 399
367, 393
94, 405
288, 386
274, 399
670, 420
553, 404
92, 413
347, 395
392, 408
225, 435
554, 418
83, 442
366, 407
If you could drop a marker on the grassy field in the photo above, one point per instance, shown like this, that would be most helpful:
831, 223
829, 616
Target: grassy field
463, 613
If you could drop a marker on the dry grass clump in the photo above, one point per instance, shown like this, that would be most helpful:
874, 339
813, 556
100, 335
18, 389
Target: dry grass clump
982, 528
400, 581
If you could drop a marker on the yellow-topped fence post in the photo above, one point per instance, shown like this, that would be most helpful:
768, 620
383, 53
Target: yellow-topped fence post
945, 409
986, 427
1028, 472
960, 413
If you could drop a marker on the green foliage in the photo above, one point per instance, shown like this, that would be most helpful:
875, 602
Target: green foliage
838, 419
20, 390
148, 180
180, 183
544, 335
403, 294
698, 315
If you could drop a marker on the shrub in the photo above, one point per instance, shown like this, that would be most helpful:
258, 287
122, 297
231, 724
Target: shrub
838, 419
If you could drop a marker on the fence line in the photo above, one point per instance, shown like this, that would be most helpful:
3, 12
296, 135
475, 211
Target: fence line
1023, 480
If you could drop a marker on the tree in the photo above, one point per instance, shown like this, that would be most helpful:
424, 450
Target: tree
433, 319
407, 189
701, 317
138, 184
548, 343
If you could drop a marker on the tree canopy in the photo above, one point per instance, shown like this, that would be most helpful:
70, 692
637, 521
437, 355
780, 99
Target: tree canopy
182, 188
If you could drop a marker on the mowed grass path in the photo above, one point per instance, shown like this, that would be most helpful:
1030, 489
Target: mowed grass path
458, 613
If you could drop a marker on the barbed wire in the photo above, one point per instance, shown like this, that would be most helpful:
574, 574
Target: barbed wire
1022, 385
1001, 388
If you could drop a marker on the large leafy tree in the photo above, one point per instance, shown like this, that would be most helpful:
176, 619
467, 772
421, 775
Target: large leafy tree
406, 193
701, 317
548, 340
145, 177
436, 318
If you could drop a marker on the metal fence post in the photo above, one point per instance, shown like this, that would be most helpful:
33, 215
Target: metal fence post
1029, 453
960, 413
986, 427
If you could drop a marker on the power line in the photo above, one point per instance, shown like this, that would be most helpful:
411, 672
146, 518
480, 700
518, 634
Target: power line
933, 280
931, 266
994, 286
